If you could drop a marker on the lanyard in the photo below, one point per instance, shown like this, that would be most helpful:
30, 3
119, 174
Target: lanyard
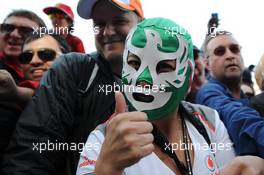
162, 141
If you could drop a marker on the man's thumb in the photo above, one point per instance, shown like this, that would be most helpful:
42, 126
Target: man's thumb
120, 105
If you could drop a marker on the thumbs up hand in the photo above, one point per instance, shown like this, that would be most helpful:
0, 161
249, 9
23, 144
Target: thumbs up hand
120, 106
128, 139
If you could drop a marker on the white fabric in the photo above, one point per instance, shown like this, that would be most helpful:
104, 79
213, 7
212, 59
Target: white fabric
152, 165
149, 57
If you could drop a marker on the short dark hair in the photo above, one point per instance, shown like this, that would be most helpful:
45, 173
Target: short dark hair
65, 48
27, 14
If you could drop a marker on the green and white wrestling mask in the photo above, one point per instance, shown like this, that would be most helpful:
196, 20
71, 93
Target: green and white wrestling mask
157, 67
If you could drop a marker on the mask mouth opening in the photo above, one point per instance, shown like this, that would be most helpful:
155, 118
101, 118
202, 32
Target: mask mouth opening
142, 97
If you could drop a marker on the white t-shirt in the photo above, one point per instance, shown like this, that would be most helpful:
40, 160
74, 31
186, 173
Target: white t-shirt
206, 161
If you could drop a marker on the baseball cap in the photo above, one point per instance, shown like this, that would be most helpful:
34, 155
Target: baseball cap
85, 7
60, 7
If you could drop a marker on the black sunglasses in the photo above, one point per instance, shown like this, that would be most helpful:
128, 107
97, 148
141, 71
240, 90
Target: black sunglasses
43, 54
22, 30
221, 50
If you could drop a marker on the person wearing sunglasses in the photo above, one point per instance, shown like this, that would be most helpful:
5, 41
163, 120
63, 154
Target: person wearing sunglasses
16, 26
38, 55
14, 29
157, 74
138, 137
62, 19
223, 93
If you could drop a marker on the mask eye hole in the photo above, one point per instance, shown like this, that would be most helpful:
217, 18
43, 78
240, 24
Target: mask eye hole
133, 61
166, 66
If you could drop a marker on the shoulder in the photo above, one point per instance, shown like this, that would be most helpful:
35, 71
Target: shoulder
73, 38
212, 85
211, 89
258, 99
205, 114
76, 57
197, 107
73, 60
72, 67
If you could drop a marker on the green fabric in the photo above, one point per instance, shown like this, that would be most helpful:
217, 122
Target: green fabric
145, 76
173, 37
165, 28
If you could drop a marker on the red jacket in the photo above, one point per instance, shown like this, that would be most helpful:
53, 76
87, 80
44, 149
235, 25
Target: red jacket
12, 67
75, 43
29, 84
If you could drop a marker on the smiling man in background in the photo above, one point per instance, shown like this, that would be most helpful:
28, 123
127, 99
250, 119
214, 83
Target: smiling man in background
14, 29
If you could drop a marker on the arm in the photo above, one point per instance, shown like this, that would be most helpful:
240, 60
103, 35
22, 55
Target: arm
127, 139
244, 165
24, 95
49, 117
245, 126
89, 163
10, 92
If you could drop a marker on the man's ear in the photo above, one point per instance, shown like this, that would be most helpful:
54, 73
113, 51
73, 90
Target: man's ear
206, 63
140, 19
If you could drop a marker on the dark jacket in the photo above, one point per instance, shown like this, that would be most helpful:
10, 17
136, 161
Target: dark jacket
257, 102
9, 113
244, 124
68, 105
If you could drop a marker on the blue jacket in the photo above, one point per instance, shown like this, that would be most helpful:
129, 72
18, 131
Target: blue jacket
245, 125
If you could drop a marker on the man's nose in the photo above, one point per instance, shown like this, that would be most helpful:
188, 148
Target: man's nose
109, 30
36, 61
230, 55
15, 33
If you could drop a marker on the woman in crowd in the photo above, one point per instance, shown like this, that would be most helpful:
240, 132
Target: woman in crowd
168, 136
